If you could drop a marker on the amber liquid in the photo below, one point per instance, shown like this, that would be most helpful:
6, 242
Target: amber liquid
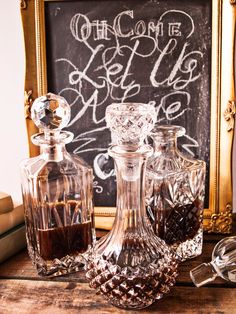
60, 241
180, 223
68, 240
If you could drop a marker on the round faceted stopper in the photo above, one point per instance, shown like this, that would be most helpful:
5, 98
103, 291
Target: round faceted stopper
50, 112
130, 123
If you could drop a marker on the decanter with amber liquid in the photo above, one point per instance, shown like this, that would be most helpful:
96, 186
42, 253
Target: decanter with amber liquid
57, 194
130, 266
175, 189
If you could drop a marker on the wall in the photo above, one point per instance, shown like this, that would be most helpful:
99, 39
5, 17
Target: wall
12, 125
13, 138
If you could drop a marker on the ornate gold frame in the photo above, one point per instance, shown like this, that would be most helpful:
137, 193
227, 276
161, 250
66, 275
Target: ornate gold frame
218, 217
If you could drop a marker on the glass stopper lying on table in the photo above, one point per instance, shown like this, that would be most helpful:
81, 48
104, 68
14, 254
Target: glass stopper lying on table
131, 266
57, 194
223, 264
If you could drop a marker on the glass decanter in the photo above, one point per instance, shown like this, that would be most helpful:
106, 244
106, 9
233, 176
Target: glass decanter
223, 264
175, 186
131, 266
57, 194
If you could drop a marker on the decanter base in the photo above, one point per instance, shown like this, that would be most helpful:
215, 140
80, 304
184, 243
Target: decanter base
59, 267
131, 307
131, 287
190, 248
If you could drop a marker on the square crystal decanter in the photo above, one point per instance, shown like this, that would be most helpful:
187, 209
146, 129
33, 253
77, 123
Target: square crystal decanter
57, 194
175, 186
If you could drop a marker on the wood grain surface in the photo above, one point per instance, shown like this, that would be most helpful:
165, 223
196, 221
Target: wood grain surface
21, 268
23, 291
26, 296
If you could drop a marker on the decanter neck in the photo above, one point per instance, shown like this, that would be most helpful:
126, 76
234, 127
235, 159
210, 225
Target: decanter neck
52, 145
204, 274
53, 152
165, 139
165, 144
130, 171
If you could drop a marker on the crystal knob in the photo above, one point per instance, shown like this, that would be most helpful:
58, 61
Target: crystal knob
223, 264
50, 112
130, 123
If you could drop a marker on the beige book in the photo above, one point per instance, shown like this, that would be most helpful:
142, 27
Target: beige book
12, 218
104, 217
6, 203
12, 242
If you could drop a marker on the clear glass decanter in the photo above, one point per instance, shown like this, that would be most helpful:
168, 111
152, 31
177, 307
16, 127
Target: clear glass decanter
223, 264
131, 266
175, 186
57, 194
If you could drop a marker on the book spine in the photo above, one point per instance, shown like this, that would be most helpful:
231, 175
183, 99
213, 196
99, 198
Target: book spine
6, 203
12, 242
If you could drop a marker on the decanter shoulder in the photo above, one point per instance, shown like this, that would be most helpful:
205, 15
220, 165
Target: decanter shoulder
176, 161
69, 162
30, 166
189, 162
81, 163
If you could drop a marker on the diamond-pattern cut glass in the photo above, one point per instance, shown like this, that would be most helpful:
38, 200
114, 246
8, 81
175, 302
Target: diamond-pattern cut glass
131, 267
130, 124
175, 193
50, 113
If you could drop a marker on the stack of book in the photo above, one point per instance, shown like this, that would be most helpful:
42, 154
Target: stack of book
104, 217
12, 227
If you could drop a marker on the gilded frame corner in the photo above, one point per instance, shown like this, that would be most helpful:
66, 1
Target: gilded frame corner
218, 217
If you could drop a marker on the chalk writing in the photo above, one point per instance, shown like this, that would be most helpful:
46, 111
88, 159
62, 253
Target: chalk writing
113, 49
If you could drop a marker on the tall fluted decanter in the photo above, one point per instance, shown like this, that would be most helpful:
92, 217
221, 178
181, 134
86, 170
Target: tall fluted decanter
131, 266
175, 189
57, 194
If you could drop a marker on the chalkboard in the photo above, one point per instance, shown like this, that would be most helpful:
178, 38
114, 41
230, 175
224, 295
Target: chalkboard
100, 52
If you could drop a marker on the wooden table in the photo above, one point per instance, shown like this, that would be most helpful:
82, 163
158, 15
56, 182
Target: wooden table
23, 291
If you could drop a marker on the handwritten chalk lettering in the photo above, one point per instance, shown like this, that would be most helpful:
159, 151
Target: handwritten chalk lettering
114, 49
174, 29
117, 24
87, 138
157, 29
103, 167
173, 106
178, 14
101, 30
98, 188
82, 28
178, 82
140, 28
188, 147
80, 32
